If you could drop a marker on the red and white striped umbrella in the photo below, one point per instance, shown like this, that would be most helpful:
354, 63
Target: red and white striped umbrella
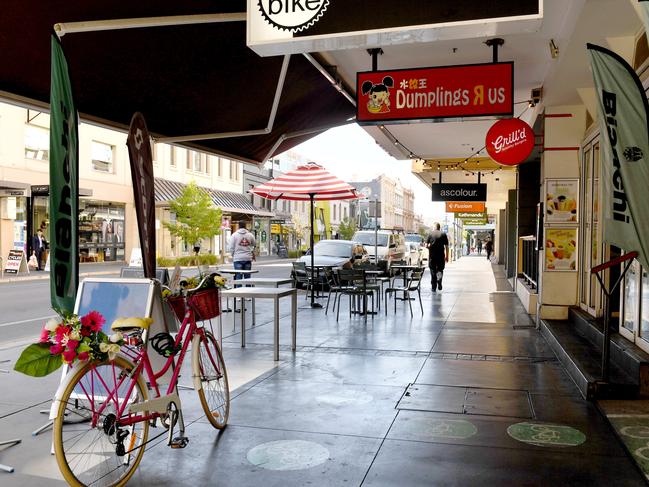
306, 182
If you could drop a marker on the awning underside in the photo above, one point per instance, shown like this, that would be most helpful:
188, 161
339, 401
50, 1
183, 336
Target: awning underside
186, 80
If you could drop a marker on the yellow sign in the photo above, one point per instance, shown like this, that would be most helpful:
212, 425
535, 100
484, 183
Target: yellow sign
275, 228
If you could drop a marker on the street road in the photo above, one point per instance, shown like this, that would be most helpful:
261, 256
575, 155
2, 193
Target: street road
25, 306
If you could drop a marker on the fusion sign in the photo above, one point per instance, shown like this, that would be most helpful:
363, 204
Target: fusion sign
433, 93
459, 192
464, 206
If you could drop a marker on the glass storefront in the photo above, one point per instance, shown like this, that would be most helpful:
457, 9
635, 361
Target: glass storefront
635, 306
101, 231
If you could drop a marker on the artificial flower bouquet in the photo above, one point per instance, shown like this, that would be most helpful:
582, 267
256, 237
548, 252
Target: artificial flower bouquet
67, 340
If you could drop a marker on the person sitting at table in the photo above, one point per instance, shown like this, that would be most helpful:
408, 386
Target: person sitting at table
242, 248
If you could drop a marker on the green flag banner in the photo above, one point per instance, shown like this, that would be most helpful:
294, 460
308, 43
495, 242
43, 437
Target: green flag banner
624, 119
64, 185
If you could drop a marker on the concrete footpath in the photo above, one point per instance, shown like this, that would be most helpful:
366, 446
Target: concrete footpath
467, 393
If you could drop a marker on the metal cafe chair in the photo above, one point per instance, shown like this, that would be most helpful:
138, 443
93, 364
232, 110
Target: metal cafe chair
302, 276
380, 279
355, 285
413, 284
334, 286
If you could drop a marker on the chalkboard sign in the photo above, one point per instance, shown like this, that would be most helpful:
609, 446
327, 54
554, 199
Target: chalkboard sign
16, 262
115, 298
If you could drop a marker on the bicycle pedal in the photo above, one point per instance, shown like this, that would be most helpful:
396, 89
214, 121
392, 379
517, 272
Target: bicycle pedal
179, 442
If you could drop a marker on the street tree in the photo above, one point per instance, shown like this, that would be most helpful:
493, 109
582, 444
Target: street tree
197, 218
347, 228
297, 230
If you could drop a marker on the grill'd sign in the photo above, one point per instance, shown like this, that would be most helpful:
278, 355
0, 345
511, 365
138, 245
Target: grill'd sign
292, 15
510, 142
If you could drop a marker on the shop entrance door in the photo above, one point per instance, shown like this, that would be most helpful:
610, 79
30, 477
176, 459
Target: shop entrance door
590, 230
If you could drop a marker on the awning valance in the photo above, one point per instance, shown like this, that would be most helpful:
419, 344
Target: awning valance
229, 202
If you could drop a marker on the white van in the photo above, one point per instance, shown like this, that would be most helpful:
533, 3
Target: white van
390, 246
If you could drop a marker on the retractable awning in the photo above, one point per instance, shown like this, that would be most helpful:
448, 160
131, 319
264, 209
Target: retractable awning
229, 202
185, 79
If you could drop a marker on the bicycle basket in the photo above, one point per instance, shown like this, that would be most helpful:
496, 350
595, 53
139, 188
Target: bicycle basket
177, 305
205, 303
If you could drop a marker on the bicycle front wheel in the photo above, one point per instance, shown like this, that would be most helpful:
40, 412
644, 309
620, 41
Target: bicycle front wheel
208, 366
91, 446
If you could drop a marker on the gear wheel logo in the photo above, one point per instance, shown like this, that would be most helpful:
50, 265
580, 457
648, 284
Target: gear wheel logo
292, 15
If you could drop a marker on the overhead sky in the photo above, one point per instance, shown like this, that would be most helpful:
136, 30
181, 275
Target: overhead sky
352, 154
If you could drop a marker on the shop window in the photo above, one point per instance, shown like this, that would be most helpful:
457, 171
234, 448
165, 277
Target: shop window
102, 156
101, 231
37, 143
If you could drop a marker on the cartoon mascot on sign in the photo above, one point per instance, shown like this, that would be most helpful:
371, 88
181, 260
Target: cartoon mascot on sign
379, 96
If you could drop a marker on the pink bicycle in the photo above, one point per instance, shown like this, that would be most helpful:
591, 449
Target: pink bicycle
103, 416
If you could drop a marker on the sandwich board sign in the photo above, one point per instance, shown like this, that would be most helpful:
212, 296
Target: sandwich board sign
16, 262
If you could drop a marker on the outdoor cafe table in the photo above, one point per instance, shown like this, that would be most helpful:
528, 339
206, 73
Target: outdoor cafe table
405, 268
274, 293
234, 272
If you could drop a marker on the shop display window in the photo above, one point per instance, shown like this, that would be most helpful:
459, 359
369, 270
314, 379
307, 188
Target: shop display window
101, 231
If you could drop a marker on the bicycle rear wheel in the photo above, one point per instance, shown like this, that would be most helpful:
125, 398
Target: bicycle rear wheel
91, 448
212, 387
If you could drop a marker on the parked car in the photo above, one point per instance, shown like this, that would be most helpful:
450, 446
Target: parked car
335, 253
418, 239
415, 253
390, 246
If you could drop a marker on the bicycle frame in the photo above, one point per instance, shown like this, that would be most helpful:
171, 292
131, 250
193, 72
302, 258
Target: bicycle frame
142, 363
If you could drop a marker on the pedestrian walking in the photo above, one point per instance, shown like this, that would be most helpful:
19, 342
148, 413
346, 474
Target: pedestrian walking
242, 248
39, 244
437, 243
479, 246
489, 247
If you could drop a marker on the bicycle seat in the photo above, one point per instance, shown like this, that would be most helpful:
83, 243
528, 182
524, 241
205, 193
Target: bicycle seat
130, 323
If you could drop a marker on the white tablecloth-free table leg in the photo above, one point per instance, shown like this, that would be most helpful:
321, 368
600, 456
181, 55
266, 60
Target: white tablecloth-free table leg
243, 321
294, 319
276, 324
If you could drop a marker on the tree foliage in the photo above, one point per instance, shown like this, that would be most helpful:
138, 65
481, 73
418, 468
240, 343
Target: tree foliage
347, 228
196, 216
297, 230
424, 231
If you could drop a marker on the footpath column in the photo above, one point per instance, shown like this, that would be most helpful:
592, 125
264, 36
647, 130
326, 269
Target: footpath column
564, 128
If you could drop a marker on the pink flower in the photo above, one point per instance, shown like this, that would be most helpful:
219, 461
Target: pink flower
83, 356
72, 344
61, 332
85, 332
56, 349
45, 336
93, 320
69, 356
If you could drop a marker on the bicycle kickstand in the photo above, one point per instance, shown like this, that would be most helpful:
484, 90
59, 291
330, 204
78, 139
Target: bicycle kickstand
174, 416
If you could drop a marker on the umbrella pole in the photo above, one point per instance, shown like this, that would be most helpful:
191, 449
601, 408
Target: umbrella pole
313, 303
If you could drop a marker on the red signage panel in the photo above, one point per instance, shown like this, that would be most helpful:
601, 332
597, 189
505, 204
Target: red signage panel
510, 142
430, 93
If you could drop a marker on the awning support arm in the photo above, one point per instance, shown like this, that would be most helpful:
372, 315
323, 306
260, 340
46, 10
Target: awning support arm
241, 133
63, 28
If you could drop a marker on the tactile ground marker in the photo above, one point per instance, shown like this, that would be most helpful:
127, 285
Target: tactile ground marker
545, 434
286, 455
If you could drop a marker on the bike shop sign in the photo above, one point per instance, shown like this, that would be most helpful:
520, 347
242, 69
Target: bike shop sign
459, 192
279, 27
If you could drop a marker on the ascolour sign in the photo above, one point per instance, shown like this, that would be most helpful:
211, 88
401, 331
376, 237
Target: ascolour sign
292, 15
459, 192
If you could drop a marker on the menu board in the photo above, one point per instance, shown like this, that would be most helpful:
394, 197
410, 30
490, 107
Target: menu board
561, 197
560, 249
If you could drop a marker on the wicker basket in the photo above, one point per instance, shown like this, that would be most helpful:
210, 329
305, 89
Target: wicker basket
177, 305
205, 303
